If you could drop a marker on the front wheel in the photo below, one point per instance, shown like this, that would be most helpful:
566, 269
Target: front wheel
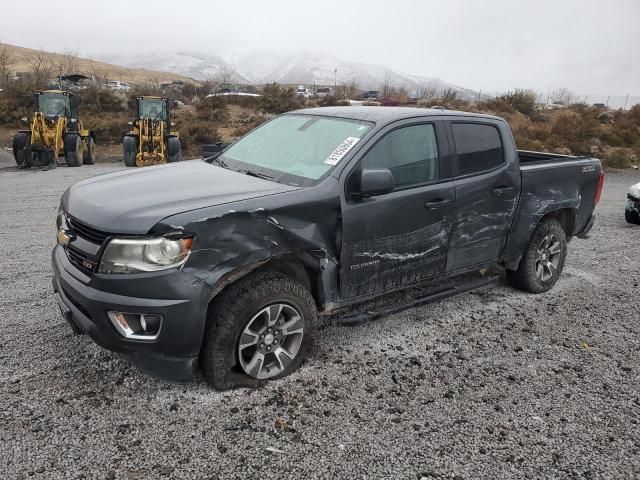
173, 149
260, 328
543, 260
20, 141
73, 149
130, 150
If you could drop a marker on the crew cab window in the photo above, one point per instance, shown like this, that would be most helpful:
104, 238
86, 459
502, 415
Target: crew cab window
411, 153
478, 146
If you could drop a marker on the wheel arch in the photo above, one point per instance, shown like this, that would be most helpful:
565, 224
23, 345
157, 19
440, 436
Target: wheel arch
566, 216
302, 267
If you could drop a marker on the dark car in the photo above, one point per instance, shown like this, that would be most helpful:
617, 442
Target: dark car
370, 95
230, 263
632, 209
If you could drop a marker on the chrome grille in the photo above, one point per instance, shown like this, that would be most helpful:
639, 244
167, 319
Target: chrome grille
88, 233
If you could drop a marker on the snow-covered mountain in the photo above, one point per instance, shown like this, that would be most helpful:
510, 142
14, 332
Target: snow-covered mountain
261, 68
195, 65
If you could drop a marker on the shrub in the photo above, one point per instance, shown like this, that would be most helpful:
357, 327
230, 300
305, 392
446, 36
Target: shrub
278, 99
213, 110
108, 127
619, 158
195, 132
99, 100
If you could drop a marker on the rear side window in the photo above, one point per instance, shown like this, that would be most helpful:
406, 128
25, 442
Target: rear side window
479, 147
411, 153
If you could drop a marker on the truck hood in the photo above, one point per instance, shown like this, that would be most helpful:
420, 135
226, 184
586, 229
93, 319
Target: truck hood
134, 201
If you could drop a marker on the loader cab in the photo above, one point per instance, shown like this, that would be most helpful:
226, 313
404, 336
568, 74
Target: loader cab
153, 108
55, 103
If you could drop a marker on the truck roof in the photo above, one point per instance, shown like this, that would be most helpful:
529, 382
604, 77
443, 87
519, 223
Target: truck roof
385, 114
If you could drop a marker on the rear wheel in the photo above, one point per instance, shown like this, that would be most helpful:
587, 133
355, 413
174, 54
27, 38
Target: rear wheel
260, 328
173, 149
543, 260
89, 153
73, 149
631, 216
20, 141
130, 149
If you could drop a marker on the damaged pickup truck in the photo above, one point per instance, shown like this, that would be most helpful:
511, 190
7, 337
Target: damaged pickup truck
229, 262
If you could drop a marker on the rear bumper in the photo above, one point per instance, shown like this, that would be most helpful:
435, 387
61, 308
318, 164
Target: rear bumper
587, 228
173, 355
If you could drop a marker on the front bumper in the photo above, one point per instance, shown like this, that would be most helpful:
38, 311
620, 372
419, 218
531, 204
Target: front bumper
181, 299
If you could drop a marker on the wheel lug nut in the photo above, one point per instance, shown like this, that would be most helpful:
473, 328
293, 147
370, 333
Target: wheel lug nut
275, 341
262, 345
269, 330
268, 349
261, 337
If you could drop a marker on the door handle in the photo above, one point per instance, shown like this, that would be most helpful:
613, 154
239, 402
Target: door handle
437, 203
502, 190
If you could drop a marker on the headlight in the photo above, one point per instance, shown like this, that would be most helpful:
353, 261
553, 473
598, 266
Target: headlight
125, 255
634, 191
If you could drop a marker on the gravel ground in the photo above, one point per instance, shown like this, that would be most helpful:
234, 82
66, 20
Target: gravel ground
492, 384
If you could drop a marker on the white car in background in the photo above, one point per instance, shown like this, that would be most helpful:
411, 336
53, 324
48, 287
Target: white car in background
301, 91
118, 86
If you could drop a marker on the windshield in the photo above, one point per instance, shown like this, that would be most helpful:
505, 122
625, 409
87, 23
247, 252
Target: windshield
53, 105
152, 108
299, 145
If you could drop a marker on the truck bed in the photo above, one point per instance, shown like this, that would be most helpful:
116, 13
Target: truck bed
528, 157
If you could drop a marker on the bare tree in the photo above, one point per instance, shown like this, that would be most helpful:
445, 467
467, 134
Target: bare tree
41, 68
388, 87
426, 92
67, 62
225, 74
98, 73
6, 62
348, 89
563, 96
449, 95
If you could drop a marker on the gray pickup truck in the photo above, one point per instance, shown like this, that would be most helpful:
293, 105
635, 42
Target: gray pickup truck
229, 262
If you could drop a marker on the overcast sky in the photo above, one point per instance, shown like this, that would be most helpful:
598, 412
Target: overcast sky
589, 46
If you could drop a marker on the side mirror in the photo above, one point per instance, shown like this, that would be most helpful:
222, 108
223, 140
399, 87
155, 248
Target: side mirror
377, 181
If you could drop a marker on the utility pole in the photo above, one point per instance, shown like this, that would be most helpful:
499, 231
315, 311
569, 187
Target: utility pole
608, 101
335, 80
625, 101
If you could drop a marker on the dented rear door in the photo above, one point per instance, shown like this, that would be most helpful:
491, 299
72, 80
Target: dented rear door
487, 190
392, 240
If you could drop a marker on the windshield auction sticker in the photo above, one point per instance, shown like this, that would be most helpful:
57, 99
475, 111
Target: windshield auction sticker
341, 150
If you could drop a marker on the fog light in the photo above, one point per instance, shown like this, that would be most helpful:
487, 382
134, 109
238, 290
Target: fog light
136, 326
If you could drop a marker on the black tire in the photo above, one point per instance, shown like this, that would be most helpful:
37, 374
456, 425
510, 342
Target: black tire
130, 150
631, 216
234, 309
173, 150
527, 277
73, 149
89, 154
20, 141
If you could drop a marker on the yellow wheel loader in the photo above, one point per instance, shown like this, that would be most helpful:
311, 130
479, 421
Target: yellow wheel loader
151, 140
56, 132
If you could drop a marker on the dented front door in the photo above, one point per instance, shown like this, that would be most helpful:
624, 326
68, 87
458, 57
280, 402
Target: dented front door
396, 239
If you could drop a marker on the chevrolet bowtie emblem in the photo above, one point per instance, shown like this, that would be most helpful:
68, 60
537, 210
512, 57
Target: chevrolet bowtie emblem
64, 237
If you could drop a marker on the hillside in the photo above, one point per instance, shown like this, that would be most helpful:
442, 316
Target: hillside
23, 58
